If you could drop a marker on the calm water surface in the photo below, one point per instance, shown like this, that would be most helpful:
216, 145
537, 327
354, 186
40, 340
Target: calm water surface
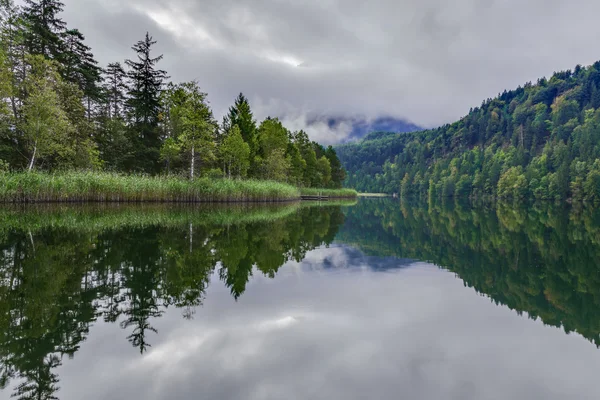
374, 300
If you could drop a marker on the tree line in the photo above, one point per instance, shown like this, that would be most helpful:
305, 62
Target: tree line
541, 140
62, 110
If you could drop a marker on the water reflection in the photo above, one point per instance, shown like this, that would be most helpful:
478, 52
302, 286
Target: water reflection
542, 259
74, 274
62, 269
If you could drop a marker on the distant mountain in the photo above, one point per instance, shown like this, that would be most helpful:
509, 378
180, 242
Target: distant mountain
540, 140
361, 127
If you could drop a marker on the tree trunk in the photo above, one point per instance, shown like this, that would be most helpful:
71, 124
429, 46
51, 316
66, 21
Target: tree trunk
192, 162
89, 109
521, 134
191, 237
32, 157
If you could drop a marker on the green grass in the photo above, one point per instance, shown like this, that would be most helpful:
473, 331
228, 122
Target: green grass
332, 193
38, 187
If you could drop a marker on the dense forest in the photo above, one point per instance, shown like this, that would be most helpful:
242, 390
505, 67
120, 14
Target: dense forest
61, 110
541, 140
541, 259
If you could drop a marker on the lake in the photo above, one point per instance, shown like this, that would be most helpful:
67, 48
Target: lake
374, 299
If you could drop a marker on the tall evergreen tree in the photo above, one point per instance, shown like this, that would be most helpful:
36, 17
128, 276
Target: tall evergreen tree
338, 174
241, 115
143, 103
43, 27
80, 67
115, 89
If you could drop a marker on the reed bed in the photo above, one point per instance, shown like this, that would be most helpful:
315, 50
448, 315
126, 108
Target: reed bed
331, 193
104, 187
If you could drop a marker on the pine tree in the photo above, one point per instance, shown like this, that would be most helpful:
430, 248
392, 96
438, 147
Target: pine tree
143, 103
44, 28
146, 84
338, 174
595, 101
115, 89
80, 67
240, 114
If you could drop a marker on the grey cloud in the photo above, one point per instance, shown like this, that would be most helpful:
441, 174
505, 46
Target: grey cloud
424, 61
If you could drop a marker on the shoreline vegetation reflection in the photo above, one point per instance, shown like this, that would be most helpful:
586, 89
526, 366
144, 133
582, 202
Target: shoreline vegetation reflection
541, 259
63, 268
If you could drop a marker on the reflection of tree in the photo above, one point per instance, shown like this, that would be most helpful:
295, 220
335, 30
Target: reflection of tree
44, 293
55, 282
542, 259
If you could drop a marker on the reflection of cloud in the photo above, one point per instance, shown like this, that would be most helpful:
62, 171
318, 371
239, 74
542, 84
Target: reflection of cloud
339, 334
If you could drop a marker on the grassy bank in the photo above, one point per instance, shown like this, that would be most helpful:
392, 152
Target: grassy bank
108, 187
332, 193
104, 187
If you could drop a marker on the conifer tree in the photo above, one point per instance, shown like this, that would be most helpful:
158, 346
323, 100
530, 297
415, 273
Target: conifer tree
143, 103
44, 28
80, 67
241, 115
115, 89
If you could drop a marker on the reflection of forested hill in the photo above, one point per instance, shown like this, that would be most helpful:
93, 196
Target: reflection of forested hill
543, 260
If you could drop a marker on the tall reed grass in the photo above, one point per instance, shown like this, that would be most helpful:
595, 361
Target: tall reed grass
85, 187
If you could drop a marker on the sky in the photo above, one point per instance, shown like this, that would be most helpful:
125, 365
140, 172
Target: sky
423, 61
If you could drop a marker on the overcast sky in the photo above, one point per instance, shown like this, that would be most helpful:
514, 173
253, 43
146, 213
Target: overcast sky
426, 61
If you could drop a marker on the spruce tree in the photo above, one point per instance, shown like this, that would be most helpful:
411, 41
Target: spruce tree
115, 89
43, 27
240, 114
80, 67
338, 174
143, 103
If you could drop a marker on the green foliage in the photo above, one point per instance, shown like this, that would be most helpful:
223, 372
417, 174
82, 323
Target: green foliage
61, 111
551, 130
235, 153
45, 124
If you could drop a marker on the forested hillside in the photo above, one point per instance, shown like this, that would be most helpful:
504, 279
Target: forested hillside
61, 110
541, 140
